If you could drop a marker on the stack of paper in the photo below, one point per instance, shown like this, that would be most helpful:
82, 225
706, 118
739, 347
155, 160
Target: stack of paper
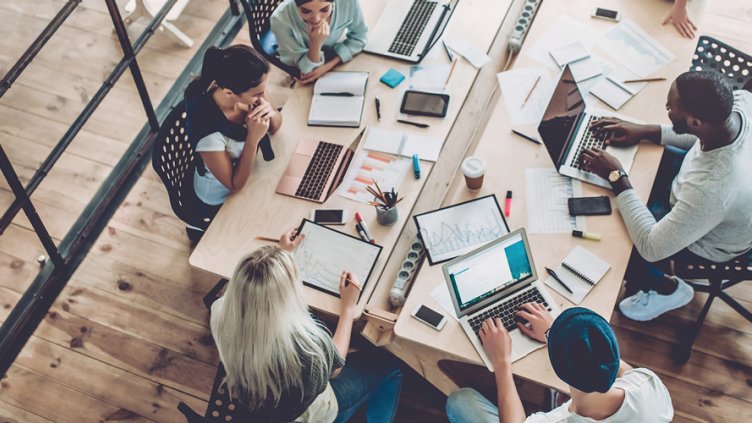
612, 89
403, 144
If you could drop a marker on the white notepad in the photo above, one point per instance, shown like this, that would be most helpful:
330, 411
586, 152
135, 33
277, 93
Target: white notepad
403, 144
338, 99
613, 91
580, 270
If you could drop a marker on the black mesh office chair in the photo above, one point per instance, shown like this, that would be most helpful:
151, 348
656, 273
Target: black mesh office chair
259, 13
220, 409
720, 277
173, 160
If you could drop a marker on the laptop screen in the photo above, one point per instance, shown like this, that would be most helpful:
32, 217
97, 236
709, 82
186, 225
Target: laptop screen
560, 117
489, 271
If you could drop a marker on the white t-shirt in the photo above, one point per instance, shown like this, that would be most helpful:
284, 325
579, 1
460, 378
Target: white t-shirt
207, 187
646, 400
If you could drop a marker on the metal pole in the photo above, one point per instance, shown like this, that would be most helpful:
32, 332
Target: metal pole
37, 45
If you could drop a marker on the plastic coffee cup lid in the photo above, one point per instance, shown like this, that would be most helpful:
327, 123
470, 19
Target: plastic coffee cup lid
473, 167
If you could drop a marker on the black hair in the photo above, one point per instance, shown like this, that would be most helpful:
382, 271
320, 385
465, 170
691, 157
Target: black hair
237, 68
302, 2
706, 95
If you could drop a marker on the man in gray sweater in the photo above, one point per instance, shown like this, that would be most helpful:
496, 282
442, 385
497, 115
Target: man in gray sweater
701, 203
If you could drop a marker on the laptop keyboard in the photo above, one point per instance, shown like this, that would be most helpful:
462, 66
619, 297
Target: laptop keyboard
318, 171
589, 140
505, 310
412, 27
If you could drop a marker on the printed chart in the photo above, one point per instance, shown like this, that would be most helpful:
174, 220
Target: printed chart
388, 171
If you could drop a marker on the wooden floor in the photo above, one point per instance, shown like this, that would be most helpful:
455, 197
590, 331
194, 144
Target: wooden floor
128, 337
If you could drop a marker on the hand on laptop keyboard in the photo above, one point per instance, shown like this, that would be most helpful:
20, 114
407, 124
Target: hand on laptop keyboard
539, 321
496, 342
598, 161
620, 133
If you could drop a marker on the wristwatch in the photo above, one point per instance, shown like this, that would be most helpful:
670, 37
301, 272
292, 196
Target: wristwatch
615, 175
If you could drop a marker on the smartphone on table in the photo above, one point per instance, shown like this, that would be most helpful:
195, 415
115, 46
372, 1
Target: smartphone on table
430, 317
330, 216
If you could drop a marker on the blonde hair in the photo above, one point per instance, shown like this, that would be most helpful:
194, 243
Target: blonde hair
265, 327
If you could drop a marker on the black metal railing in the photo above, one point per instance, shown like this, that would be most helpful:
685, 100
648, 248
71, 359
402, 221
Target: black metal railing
65, 258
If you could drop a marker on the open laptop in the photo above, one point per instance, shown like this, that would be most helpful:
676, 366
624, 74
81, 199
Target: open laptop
316, 169
565, 131
407, 30
494, 281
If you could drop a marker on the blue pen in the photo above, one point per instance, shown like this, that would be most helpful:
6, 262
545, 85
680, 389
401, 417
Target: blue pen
416, 166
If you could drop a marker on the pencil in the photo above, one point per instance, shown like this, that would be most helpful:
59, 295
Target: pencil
267, 238
537, 80
454, 64
645, 80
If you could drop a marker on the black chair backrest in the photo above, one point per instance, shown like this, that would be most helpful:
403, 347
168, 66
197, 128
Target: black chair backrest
173, 160
220, 407
259, 13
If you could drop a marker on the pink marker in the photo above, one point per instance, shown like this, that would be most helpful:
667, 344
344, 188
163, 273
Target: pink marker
363, 226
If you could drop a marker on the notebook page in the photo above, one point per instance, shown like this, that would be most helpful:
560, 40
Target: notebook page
326, 109
586, 263
388, 141
342, 82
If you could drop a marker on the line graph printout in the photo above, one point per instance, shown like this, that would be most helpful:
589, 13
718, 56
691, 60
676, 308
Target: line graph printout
547, 195
634, 49
461, 228
324, 253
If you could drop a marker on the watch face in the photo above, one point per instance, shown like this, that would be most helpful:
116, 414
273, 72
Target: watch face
614, 176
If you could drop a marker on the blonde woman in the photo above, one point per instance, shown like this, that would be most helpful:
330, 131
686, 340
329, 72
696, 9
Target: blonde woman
285, 366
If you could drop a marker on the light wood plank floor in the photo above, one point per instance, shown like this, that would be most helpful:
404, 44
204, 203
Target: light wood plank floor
128, 338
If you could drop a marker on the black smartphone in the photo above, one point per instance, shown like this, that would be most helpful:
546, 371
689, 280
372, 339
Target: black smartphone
589, 206
425, 104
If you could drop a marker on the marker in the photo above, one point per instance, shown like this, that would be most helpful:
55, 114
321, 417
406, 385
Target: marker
587, 235
361, 234
508, 204
297, 231
555, 276
418, 124
378, 108
363, 226
416, 166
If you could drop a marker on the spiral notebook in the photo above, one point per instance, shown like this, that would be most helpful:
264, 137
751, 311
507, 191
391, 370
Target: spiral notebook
580, 270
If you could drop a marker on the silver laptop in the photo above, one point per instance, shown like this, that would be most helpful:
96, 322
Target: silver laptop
565, 131
494, 281
407, 29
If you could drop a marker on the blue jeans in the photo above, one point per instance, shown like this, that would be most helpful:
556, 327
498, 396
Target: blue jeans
373, 377
468, 406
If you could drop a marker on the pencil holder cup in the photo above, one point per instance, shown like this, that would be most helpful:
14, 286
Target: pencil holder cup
387, 217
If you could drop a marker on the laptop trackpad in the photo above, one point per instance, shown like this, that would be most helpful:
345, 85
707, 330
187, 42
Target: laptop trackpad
298, 165
522, 345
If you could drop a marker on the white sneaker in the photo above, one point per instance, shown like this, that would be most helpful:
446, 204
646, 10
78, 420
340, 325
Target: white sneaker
644, 306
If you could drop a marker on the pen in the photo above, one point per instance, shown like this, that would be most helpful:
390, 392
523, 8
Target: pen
527, 137
378, 108
645, 80
338, 94
361, 234
418, 124
267, 238
363, 226
508, 204
587, 235
537, 80
555, 276
447, 50
454, 64
297, 231
416, 166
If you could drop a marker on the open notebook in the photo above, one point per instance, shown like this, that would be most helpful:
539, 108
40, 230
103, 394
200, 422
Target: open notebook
338, 99
580, 270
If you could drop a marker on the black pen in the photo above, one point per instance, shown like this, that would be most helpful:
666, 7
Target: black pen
418, 124
378, 108
297, 231
338, 94
527, 137
448, 52
555, 276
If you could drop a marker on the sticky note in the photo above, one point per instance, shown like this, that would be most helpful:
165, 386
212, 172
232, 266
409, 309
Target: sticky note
392, 78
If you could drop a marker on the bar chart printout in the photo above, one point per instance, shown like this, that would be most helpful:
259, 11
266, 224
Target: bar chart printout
388, 170
459, 229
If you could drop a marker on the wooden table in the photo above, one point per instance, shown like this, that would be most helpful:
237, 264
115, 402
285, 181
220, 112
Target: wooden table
258, 210
508, 156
